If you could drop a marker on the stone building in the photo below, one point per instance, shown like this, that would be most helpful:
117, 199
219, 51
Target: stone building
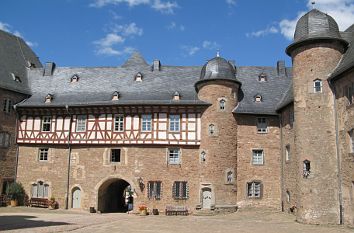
15, 59
212, 137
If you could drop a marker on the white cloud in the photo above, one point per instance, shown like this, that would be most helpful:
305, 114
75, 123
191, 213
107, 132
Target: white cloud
173, 26
211, 45
190, 50
7, 28
166, 7
341, 10
113, 42
263, 32
231, 2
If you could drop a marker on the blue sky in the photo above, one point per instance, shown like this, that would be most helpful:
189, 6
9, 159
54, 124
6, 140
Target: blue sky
178, 32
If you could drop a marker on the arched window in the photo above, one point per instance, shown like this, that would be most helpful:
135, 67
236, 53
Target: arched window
288, 196
317, 86
203, 156
222, 104
307, 168
211, 129
139, 77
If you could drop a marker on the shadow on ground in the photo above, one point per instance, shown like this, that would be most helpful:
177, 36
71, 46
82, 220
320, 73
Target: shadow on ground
14, 222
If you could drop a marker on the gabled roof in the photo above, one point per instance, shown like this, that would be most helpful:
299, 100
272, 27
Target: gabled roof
15, 57
272, 91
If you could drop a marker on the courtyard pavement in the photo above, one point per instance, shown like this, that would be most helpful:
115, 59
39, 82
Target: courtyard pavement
23, 219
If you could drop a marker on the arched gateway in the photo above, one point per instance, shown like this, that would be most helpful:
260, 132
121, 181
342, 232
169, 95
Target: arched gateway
113, 195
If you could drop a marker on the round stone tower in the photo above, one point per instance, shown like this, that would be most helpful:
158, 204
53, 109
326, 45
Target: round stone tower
219, 87
316, 51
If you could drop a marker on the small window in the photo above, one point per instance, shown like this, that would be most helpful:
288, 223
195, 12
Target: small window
180, 190
46, 123
287, 196
262, 125
43, 154
222, 104
350, 93
257, 157
351, 140
287, 153
146, 122
211, 129
262, 77
258, 98
115, 95
291, 118
254, 189
176, 96
16, 78
119, 123
229, 177
174, 156
40, 190
74, 78
115, 155
81, 123
49, 98
203, 156
174, 123
154, 190
139, 77
307, 168
317, 86
7, 106
4, 139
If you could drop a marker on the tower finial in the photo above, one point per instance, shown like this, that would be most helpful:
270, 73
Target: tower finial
217, 53
313, 4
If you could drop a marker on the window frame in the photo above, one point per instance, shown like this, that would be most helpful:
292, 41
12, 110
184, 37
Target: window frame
44, 122
316, 88
154, 190
146, 123
43, 154
7, 105
174, 124
118, 124
287, 153
41, 186
180, 190
113, 150
254, 189
349, 93
260, 129
256, 160
5, 140
174, 160
81, 123
222, 105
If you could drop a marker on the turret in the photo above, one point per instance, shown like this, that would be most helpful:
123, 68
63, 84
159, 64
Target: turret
219, 87
316, 51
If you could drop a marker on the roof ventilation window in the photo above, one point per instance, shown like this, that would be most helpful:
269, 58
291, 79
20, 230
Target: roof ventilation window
49, 98
49, 69
74, 78
258, 98
176, 96
31, 65
115, 95
139, 77
16, 78
262, 77
156, 66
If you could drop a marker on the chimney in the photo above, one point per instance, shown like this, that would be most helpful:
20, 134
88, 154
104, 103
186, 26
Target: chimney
49, 68
156, 65
281, 68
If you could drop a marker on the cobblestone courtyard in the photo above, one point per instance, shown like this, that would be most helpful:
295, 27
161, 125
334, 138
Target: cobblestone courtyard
22, 219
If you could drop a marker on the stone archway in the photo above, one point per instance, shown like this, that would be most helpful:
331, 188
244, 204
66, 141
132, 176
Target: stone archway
112, 196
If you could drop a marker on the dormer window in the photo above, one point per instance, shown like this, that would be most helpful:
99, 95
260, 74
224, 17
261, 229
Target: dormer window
317, 86
222, 105
49, 98
115, 95
176, 96
258, 98
262, 77
16, 78
139, 77
74, 78
31, 65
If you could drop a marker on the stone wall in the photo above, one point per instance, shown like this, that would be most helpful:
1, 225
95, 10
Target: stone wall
8, 125
269, 173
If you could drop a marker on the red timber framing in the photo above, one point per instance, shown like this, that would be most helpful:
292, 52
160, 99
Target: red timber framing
100, 125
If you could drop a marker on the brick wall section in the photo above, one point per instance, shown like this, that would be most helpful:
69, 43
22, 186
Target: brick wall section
290, 166
315, 132
345, 113
221, 148
268, 173
8, 124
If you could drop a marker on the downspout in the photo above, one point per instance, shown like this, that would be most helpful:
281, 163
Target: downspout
69, 161
282, 162
16, 133
339, 162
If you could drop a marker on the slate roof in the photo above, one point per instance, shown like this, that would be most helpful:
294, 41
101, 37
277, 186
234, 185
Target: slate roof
97, 84
272, 91
14, 54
